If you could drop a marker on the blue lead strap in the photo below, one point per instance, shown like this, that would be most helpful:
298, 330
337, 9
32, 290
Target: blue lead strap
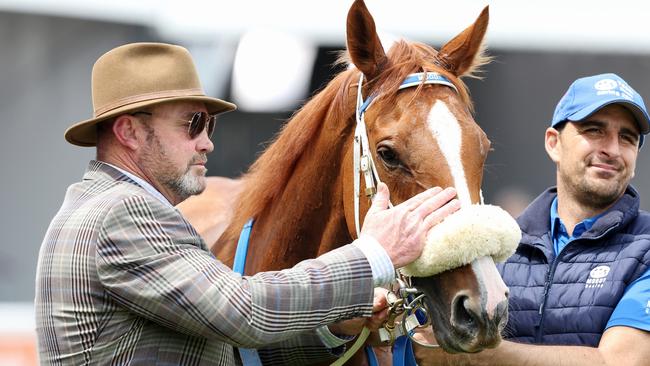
403, 352
370, 355
249, 357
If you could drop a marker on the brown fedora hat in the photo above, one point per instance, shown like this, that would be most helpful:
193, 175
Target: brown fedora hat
138, 75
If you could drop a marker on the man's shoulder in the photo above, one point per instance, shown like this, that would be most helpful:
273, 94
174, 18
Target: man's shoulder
535, 220
130, 199
97, 197
109, 189
643, 216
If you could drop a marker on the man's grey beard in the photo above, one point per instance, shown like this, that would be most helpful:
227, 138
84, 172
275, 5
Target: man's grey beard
186, 185
182, 186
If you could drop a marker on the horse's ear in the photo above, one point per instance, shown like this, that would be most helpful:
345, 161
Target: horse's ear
364, 45
465, 53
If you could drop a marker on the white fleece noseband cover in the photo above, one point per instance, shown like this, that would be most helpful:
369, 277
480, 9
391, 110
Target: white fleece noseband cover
470, 233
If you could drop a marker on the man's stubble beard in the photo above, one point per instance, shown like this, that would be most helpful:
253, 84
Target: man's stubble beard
591, 194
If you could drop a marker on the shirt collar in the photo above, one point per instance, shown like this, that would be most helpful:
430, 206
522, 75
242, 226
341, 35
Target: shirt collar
581, 227
555, 218
144, 184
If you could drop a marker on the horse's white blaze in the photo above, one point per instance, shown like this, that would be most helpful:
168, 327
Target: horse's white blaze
491, 286
446, 130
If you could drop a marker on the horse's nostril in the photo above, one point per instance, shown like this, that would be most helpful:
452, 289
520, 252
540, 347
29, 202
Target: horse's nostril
462, 314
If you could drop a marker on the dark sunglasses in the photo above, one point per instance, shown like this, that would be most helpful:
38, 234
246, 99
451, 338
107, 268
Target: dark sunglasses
200, 121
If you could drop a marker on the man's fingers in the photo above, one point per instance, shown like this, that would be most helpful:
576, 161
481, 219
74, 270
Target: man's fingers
435, 202
415, 201
380, 202
379, 301
377, 320
438, 215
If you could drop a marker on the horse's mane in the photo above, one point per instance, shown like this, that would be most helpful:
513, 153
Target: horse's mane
268, 176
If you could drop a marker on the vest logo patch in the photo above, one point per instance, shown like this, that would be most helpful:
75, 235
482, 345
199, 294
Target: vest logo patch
647, 308
597, 277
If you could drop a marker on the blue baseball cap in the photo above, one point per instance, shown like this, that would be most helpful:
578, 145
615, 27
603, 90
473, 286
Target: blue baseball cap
588, 95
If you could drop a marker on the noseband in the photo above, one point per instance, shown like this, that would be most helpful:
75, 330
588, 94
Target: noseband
403, 298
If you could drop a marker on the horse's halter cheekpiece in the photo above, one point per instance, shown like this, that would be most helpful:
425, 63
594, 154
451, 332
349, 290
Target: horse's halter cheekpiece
403, 298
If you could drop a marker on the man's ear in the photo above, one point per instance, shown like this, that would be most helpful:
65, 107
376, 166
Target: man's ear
552, 144
126, 131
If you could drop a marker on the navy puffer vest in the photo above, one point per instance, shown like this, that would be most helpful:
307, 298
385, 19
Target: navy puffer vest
569, 299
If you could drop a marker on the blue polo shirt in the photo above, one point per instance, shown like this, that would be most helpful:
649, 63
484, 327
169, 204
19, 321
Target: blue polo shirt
633, 310
560, 236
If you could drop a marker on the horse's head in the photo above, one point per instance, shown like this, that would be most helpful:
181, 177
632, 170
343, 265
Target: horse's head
425, 136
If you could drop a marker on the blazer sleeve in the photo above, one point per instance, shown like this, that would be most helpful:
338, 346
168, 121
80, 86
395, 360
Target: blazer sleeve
151, 261
304, 349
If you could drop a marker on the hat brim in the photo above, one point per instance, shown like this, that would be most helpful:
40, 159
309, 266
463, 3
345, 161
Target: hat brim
642, 118
84, 133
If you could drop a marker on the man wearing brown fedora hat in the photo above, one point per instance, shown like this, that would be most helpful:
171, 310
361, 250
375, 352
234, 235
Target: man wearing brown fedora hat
124, 279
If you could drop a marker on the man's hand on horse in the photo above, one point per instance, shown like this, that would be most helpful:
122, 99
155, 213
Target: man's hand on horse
401, 230
354, 326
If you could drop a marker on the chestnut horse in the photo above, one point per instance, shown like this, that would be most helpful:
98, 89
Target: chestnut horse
300, 191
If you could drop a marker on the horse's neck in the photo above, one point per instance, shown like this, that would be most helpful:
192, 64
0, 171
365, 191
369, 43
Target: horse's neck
307, 219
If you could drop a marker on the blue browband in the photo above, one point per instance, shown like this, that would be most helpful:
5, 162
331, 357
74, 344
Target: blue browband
415, 80
428, 77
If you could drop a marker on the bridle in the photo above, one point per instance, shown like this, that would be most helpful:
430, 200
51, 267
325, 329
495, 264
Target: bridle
402, 298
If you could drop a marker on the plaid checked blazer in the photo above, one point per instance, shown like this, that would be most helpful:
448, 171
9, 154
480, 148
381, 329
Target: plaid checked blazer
124, 279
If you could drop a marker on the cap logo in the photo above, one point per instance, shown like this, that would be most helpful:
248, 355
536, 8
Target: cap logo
605, 84
613, 87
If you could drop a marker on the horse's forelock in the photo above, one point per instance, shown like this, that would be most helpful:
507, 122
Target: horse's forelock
411, 57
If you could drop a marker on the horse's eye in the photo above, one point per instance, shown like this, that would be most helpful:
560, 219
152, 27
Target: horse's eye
388, 156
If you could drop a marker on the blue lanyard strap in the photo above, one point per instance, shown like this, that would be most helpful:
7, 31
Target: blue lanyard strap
242, 247
248, 356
